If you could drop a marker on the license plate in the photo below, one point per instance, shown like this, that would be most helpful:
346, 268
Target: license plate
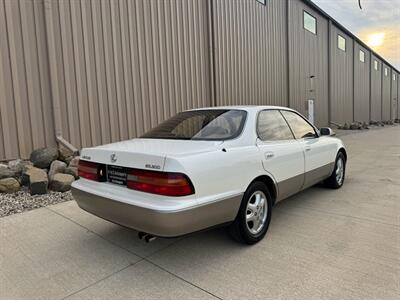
117, 175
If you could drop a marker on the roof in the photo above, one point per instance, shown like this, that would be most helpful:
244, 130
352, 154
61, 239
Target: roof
348, 32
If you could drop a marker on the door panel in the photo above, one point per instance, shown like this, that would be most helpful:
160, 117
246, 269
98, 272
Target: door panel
317, 150
284, 160
318, 159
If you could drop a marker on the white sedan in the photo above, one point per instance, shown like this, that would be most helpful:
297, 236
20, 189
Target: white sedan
207, 167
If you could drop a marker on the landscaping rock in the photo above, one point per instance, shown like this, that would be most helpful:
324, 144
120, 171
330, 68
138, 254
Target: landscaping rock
56, 167
37, 180
65, 155
2, 166
72, 171
74, 162
355, 126
62, 182
25, 177
9, 185
19, 166
42, 158
7, 173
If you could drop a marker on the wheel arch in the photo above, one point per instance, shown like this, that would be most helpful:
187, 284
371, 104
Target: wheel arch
342, 150
269, 182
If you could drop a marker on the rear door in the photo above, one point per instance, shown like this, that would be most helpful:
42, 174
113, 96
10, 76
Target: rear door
281, 154
319, 154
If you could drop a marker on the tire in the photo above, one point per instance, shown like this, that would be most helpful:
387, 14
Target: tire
336, 180
243, 229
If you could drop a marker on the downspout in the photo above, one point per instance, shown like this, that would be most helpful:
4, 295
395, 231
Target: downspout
211, 32
55, 96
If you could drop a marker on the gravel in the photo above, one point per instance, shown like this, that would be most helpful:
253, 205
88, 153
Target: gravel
22, 201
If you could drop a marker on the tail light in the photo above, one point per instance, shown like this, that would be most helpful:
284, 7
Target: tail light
161, 183
91, 170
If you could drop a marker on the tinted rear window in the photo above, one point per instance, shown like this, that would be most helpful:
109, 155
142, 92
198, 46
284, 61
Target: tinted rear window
213, 124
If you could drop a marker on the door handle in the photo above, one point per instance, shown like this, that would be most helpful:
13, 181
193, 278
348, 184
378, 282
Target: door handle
308, 149
269, 155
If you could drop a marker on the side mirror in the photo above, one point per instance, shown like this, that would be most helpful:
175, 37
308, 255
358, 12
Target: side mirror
326, 131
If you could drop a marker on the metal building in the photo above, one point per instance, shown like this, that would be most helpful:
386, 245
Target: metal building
97, 71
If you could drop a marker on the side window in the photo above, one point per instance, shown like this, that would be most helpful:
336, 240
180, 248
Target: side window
362, 56
309, 22
341, 43
300, 127
271, 126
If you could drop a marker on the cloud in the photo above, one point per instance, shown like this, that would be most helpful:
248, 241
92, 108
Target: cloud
377, 16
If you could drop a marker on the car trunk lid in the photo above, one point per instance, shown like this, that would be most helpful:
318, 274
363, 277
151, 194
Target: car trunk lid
145, 153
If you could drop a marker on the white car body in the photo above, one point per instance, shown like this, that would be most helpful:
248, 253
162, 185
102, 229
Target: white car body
220, 172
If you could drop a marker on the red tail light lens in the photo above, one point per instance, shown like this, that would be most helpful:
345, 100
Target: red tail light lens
88, 170
161, 183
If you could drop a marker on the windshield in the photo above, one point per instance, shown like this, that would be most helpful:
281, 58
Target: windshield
212, 124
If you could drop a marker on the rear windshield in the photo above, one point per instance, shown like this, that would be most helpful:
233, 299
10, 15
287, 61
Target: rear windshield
213, 124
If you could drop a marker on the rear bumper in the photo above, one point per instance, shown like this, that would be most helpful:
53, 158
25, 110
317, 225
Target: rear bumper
162, 223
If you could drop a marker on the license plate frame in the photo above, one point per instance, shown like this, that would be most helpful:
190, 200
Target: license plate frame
117, 175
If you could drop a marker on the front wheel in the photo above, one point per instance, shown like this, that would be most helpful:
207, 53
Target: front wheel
336, 179
254, 216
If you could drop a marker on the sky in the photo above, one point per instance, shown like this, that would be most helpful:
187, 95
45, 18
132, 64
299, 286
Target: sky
377, 24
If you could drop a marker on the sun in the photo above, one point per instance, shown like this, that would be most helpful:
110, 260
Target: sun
376, 39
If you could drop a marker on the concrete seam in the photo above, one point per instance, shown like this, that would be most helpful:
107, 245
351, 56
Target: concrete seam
131, 264
80, 225
102, 279
183, 279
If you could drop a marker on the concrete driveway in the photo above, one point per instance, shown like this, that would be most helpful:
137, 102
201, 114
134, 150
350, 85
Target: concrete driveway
321, 244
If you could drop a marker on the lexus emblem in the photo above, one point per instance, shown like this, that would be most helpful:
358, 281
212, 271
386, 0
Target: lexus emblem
113, 158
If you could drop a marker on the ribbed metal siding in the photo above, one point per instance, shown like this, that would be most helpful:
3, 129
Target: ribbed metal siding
250, 52
376, 90
398, 96
308, 56
361, 84
124, 66
395, 96
386, 91
341, 78
26, 119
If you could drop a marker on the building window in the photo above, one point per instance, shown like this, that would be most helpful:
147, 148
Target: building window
386, 72
309, 22
394, 77
376, 65
262, 1
341, 43
362, 56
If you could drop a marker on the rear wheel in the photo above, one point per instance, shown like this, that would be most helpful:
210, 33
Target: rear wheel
336, 179
254, 216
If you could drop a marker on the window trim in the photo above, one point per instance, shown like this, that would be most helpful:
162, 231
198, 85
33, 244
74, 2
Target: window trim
316, 23
316, 131
345, 42
359, 56
272, 141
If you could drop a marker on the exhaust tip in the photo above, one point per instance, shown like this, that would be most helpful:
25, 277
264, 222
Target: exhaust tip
148, 238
